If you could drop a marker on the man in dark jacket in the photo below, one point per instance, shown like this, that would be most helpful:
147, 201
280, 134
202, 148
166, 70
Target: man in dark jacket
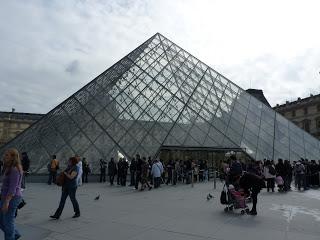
25, 162
123, 171
112, 170
133, 168
138, 171
103, 166
252, 183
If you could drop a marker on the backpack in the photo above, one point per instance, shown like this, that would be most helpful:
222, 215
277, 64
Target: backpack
272, 171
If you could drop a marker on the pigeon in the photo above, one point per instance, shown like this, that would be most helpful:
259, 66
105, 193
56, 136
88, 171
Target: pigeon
209, 196
97, 197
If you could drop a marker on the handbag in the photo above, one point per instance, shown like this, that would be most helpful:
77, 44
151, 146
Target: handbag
22, 204
223, 197
60, 179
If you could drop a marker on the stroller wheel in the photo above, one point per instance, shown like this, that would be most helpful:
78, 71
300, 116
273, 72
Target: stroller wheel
226, 209
247, 210
242, 212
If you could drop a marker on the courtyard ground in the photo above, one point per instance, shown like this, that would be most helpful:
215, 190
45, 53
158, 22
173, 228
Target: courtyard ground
171, 212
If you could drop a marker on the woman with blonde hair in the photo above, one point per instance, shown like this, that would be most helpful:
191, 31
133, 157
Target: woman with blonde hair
10, 193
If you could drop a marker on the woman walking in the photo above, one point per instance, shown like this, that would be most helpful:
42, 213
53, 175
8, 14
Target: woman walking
69, 188
10, 193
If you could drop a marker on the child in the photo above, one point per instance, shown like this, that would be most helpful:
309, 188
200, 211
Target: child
238, 196
280, 183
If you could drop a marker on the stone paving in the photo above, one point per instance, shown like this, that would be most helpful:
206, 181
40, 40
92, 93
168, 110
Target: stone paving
179, 212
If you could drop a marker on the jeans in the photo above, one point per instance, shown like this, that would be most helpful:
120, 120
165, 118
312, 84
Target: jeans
270, 184
71, 192
7, 220
138, 179
102, 174
132, 178
254, 196
85, 177
52, 177
301, 180
111, 179
157, 181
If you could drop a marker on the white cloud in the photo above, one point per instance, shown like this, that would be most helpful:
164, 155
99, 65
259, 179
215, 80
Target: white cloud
274, 45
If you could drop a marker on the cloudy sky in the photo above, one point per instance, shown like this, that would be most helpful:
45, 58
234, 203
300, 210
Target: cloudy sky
50, 49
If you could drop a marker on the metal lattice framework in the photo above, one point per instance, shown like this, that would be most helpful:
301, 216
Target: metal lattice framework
158, 95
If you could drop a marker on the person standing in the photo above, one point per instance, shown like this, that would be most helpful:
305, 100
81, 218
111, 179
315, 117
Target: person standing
132, 168
119, 170
1, 164
300, 173
124, 172
144, 175
10, 194
25, 166
103, 166
270, 175
53, 169
170, 167
281, 171
80, 170
69, 188
86, 170
112, 169
138, 171
157, 170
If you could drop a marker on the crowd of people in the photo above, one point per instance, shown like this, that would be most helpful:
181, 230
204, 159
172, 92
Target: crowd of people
149, 172
251, 177
304, 173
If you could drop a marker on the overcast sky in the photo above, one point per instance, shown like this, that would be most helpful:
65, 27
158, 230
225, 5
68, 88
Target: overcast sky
50, 49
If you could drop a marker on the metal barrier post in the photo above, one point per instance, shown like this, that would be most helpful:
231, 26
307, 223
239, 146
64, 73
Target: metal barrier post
214, 179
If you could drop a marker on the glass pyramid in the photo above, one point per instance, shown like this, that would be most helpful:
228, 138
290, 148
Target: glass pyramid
160, 95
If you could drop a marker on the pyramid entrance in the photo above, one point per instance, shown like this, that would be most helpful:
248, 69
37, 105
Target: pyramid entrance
161, 95
213, 156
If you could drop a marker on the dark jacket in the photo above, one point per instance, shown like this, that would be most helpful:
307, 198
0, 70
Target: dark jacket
25, 162
112, 168
281, 169
251, 182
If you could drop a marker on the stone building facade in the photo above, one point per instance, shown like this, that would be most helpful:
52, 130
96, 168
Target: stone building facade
12, 123
305, 113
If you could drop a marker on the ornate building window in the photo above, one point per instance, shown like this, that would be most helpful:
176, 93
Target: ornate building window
306, 125
305, 110
318, 123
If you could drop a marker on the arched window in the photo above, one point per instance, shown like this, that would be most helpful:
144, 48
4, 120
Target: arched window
306, 124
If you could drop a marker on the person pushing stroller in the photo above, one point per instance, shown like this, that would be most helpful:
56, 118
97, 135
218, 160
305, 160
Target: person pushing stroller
251, 184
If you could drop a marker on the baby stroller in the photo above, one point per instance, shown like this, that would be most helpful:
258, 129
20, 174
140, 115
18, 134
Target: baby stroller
234, 199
